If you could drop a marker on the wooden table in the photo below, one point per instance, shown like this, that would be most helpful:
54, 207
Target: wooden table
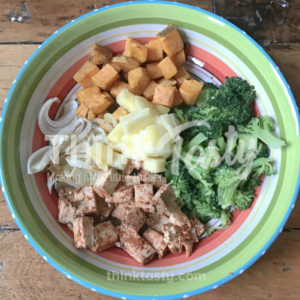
23, 273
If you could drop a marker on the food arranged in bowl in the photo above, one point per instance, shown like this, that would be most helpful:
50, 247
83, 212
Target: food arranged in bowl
148, 158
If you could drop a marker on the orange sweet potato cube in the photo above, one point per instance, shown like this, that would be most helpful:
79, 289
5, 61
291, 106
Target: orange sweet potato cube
84, 74
87, 94
119, 112
100, 55
103, 102
170, 40
181, 75
135, 49
155, 51
167, 67
106, 77
82, 111
124, 63
117, 87
149, 91
179, 58
164, 95
164, 81
154, 71
190, 91
177, 98
138, 80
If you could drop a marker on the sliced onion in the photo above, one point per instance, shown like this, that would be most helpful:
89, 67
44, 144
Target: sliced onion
51, 180
106, 124
77, 163
39, 160
85, 131
111, 119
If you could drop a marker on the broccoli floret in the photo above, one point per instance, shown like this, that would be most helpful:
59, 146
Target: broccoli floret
264, 150
208, 91
263, 165
262, 128
243, 199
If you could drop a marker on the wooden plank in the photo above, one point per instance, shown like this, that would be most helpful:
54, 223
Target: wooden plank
45, 19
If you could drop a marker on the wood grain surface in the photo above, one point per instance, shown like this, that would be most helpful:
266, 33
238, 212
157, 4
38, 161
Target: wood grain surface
23, 273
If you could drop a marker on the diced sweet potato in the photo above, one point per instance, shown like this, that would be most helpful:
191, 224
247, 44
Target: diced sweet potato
167, 67
135, 49
177, 99
87, 94
157, 241
117, 87
181, 75
83, 228
143, 197
121, 194
190, 91
125, 63
164, 95
132, 165
82, 111
119, 112
89, 203
66, 211
84, 74
91, 114
156, 221
180, 219
179, 58
149, 91
103, 102
170, 40
155, 51
100, 55
164, 81
131, 180
155, 179
154, 71
106, 77
138, 80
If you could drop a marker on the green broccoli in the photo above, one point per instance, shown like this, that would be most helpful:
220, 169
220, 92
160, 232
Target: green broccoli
243, 199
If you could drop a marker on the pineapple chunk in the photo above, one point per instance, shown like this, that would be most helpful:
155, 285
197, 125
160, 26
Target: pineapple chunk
155, 165
162, 109
126, 100
119, 161
141, 102
168, 121
116, 134
102, 155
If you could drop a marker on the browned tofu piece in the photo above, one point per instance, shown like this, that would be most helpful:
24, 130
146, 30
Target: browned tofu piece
180, 219
190, 91
138, 80
156, 221
84, 74
119, 112
66, 211
149, 91
179, 58
155, 51
100, 54
106, 77
164, 95
143, 197
167, 67
156, 240
105, 236
129, 180
89, 203
117, 87
170, 40
121, 194
83, 228
131, 216
177, 99
107, 182
153, 178
132, 165
166, 201
124, 63
164, 81
91, 114
135, 49
85, 95
136, 246
104, 210
181, 75
103, 103
82, 111
154, 71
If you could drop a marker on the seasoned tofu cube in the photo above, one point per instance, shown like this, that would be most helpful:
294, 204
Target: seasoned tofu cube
180, 219
156, 221
124, 63
106, 77
82, 111
121, 194
106, 182
167, 67
117, 87
155, 51
164, 95
190, 90
135, 49
170, 40
89, 203
66, 211
131, 216
149, 91
100, 54
83, 228
119, 112
177, 99
131, 180
181, 75
136, 246
155, 179
84, 74
91, 114
103, 102
143, 197
179, 58
138, 80
105, 236
164, 81
88, 94
156, 240
154, 71
132, 165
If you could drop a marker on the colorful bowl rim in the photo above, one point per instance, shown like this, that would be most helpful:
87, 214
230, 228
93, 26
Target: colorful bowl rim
173, 296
